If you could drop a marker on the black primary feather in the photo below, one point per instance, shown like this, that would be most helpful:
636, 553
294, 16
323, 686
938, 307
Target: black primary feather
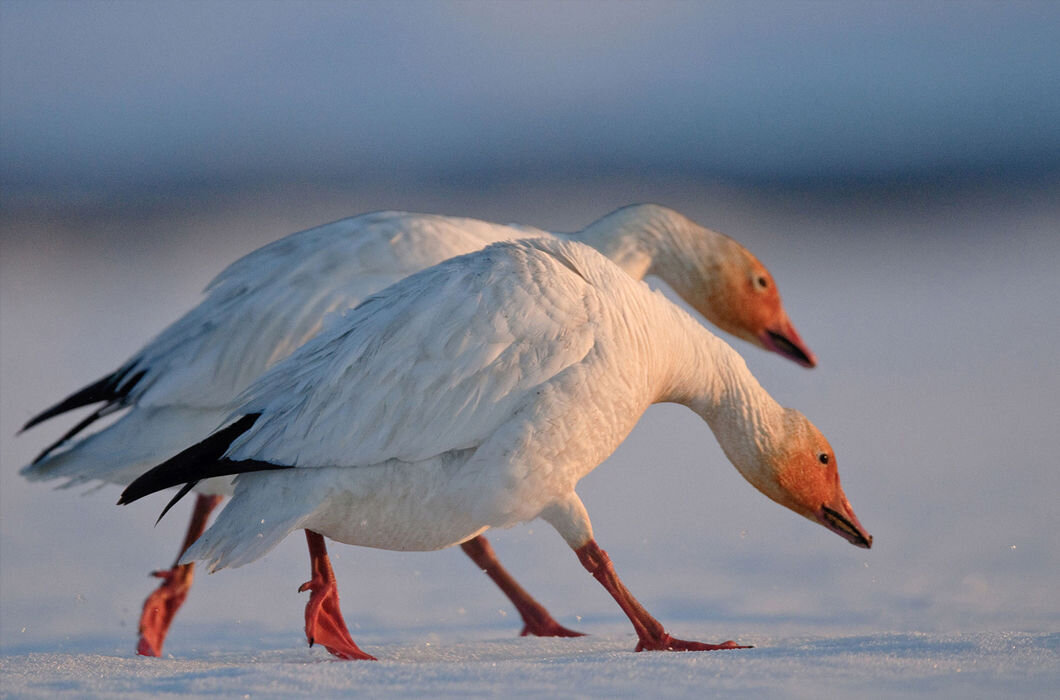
113, 389
200, 461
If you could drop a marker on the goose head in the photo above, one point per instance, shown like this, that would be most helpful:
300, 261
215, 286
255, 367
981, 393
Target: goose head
716, 275
807, 480
743, 300
793, 464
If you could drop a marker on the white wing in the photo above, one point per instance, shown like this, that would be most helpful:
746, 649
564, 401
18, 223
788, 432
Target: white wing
271, 301
433, 364
256, 312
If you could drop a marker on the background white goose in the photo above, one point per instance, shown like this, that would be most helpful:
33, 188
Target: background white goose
476, 394
182, 384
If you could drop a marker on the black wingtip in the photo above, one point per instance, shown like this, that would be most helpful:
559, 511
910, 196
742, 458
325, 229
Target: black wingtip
200, 461
96, 415
111, 389
173, 501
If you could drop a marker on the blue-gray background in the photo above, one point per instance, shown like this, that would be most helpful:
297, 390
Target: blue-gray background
101, 95
897, 165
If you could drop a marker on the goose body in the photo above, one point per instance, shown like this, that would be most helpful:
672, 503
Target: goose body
404, 408
476, 394
268, 303
184, 383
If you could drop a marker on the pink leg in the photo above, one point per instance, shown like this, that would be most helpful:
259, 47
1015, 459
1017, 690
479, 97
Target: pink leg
536, 619
323, 618
649, 630
164, 601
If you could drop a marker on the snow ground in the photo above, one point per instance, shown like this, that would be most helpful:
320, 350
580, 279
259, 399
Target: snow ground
975, 665
934, 318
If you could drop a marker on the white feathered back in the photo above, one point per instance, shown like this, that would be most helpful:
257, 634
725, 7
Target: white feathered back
436, 363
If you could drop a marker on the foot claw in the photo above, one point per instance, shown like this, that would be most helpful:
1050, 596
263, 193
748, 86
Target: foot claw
164, 601
161, 606
145, 648
669, 643
323, 622
549, 629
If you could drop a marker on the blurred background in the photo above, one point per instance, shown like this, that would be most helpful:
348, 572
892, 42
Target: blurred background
896, 165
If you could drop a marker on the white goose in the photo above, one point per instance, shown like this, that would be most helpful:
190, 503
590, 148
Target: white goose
476, 394
181, 385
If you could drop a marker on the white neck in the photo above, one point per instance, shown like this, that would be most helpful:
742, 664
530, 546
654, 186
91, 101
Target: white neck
648, 239
702, 372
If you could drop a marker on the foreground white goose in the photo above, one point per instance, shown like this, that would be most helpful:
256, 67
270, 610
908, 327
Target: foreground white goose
182, 384
476, 394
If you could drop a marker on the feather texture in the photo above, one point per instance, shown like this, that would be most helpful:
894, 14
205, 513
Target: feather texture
186, 381
472, 395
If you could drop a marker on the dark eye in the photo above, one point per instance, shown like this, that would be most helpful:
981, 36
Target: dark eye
762, 282
822, 458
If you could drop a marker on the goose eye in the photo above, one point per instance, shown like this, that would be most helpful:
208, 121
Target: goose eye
822, 458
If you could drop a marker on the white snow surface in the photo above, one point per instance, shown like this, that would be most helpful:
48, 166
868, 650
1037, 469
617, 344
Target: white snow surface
976, 665
933, 315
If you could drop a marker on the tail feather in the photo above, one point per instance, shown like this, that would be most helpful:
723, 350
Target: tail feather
111, 389
200, 461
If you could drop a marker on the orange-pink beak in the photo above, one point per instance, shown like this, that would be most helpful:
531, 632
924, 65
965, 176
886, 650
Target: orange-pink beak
842, 521
783, 339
